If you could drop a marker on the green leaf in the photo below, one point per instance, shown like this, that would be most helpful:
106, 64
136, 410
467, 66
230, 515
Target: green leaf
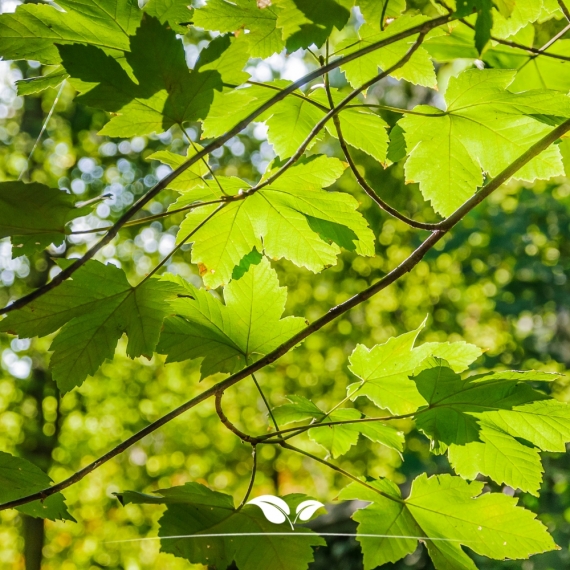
533, 72
231, 107
93, 310
32, 31
303, 24
361, 129
449, 512
19, 478
485, 127
226, 56
35, 216
488, 421
192, 179
193, 509
523, 12
41, 82
167, 93
337, 439
263, 37
177, 13
292, 218
228, 336
418, 70
290, 123
385, 369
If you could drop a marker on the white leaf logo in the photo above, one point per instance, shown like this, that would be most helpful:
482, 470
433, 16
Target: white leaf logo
307, 509
276, 510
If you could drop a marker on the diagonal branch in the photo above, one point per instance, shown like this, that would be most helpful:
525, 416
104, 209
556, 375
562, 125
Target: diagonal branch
406, 266
217, 143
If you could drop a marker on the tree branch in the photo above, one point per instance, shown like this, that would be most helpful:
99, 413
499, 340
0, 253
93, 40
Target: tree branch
360, 179
407, 265
564, 9
300, 429
217, 143
223, 418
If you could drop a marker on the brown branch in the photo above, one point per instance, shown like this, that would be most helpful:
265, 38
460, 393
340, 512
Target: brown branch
361, 180
234, 429
217, 143
532, 50
564, 9
407, 265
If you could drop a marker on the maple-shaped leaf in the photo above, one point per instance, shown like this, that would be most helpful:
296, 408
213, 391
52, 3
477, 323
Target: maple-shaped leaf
485, 128
337, 439
33, 30
165, 92
447, 513
385, 369
228, 336
19, 478
492, 423
194, 510
41, 222
418, 70
263, 37
533, 72
93, 309
292, 218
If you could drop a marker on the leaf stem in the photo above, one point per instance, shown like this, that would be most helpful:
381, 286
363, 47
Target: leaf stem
180, 244
252, 478
340, 470
266, 403
301, 429
146, 219
564, 9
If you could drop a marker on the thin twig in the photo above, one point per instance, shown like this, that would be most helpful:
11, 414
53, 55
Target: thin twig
266, 403
395, 110
217, 143
549, 43
44, 127
361, 180
317, 424
532, 50
407, 265
234, 429
204, 161
252, 478
146, 219
564, 9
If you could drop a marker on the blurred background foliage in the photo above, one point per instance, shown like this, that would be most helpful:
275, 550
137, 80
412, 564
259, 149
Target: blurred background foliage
499, 280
